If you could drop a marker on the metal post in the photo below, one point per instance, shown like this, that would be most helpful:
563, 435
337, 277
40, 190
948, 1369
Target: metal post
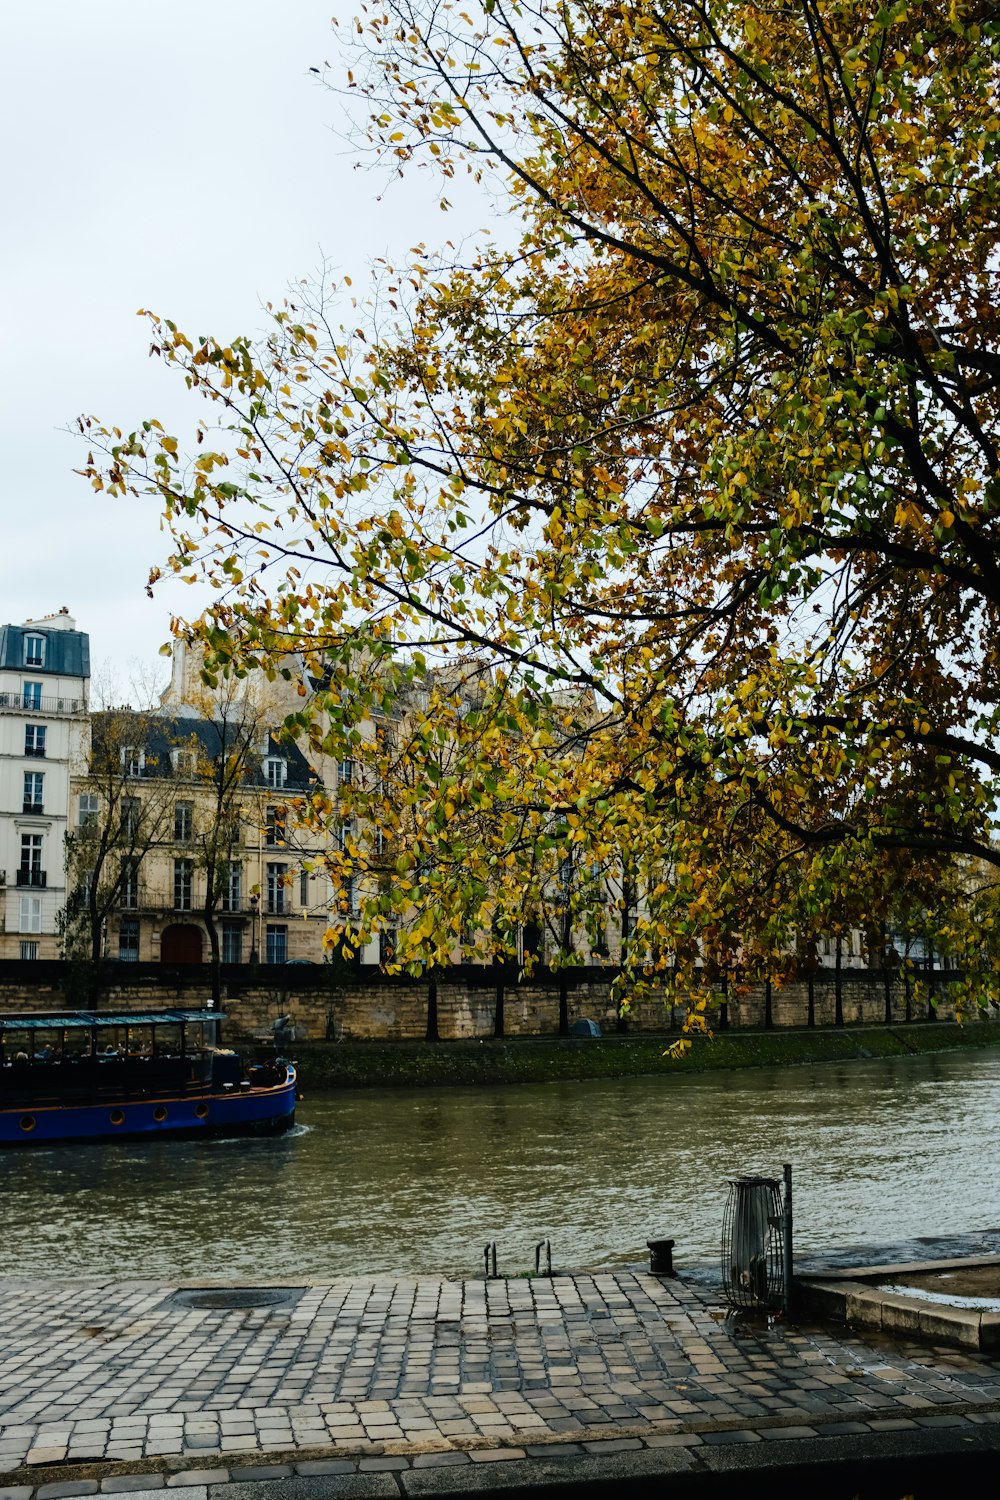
787, 1226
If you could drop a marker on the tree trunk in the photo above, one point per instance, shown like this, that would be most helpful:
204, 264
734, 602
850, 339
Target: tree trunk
811, 1004
215, 962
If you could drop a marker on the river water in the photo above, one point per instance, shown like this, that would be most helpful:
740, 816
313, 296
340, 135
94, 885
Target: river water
415, 1181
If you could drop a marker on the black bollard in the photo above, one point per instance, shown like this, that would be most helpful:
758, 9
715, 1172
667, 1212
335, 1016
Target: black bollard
661, 1257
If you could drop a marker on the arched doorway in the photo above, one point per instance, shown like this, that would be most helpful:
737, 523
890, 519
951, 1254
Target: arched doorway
181, 944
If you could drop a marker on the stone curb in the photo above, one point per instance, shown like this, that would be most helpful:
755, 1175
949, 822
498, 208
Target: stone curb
704, 1451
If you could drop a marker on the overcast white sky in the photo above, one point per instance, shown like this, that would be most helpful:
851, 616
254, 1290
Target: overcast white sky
176, 155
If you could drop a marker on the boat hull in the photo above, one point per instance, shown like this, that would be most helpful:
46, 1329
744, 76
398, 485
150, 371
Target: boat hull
258, 1111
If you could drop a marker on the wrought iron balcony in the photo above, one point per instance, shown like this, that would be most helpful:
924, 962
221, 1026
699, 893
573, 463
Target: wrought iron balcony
18, 703
31, 877
33, 807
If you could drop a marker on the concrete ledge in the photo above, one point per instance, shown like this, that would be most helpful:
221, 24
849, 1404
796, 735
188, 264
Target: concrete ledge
848, 1295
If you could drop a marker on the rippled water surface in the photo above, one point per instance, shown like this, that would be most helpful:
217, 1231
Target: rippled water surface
418, 1180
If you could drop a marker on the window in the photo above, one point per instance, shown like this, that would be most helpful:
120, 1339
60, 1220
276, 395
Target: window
183, 872
87, 811
277, 945
183, 822
131, 812
345, 771
183, 761
380, 840
34, 650
347, 897
276, 887
386, 945
345, 836
133, 758
32, 695
274, 831
303, 887
31, 914
30, 872
128, 940
130, 884
29, 951
232, 888
34, 739
275, 770
34, 798
232, 943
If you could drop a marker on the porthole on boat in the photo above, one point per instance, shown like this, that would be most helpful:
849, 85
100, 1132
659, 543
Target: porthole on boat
201, 1110
117, 1117
159, 1114
27, 1122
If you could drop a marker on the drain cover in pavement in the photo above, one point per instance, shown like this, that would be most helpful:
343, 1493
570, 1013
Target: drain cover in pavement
230, 1297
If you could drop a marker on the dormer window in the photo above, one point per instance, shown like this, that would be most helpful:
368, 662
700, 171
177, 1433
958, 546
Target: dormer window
133, 759
275, 770
183, 761
34, 650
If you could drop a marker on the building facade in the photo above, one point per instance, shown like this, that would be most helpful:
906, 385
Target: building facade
44, 688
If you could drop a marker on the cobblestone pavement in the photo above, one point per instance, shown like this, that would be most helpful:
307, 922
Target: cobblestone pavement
382, 1375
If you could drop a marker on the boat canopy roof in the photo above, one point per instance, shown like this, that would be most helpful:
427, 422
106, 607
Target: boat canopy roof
87, 1020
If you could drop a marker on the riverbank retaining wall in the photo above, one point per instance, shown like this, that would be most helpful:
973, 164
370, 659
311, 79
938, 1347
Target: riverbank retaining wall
365, 1004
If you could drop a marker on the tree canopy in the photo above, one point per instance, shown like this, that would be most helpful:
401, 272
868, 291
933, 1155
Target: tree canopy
693, 474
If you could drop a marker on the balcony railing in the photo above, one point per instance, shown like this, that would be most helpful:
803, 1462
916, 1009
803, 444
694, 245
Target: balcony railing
19, 704
31, 877
37, 751
33, 807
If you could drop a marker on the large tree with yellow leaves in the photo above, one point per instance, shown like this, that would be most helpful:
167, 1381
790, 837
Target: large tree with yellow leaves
692, 477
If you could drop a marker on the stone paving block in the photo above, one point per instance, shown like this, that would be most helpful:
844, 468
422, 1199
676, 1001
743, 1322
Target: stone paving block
66, 1488
259, 1471
554, 1450
190, 1492
197, 1476
116, 1484
449, 1460
326, 1466
673, 1440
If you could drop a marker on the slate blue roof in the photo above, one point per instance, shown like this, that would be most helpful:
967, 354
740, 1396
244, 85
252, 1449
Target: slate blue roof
159, 734
67, 652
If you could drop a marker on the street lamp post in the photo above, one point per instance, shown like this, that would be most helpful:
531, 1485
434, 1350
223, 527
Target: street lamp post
254, 912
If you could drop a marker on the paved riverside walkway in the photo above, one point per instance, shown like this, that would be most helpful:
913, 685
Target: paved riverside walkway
103, 1381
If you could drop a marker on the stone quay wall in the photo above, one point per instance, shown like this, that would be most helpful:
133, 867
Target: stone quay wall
365, 1004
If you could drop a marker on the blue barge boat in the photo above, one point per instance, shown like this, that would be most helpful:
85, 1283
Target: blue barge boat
98, 1076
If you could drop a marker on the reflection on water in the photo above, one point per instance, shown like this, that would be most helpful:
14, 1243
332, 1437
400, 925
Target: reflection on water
414, 1181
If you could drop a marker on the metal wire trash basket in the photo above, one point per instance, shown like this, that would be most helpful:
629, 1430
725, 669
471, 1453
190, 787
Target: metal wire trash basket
754, 1273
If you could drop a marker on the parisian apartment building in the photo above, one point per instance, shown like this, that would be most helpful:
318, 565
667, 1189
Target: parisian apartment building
44, 689
276, 901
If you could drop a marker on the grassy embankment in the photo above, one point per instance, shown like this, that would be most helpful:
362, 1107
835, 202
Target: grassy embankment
347, 1065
